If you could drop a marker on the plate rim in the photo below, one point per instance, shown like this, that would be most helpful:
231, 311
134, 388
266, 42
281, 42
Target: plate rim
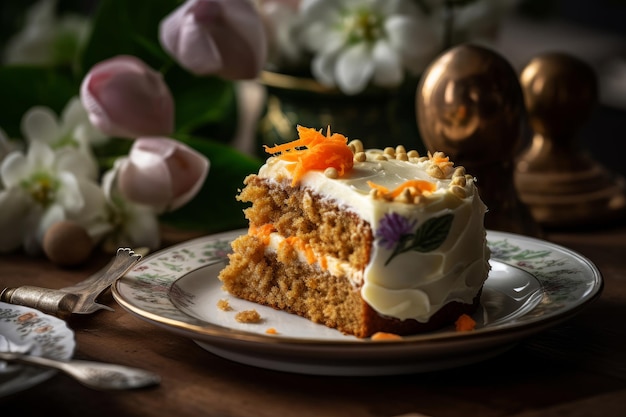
210, 332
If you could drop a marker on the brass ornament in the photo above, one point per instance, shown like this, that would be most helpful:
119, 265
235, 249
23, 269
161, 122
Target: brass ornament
560, 182
469, 105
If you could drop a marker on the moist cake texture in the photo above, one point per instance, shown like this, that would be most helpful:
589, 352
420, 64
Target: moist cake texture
363, 241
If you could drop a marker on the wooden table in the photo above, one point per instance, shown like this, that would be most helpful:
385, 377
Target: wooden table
575, 369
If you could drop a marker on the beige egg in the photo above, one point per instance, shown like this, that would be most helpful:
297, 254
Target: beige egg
66, 243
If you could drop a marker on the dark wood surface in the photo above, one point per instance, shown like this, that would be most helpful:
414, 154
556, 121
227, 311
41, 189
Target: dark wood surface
575, 369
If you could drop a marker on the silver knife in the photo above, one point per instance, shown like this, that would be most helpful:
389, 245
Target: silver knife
76, 299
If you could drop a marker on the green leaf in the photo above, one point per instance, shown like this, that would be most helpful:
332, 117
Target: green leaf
432, 233
205, 106
24, 87
215, 208
428, 237
129, 27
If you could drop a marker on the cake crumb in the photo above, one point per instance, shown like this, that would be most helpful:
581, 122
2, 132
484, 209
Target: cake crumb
224, 305
271, 330
248, 316
385, 336
465, 323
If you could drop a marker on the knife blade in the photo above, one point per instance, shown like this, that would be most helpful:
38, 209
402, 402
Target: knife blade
75, 299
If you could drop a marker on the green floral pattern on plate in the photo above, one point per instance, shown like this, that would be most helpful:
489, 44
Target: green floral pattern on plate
567, 279
151, 280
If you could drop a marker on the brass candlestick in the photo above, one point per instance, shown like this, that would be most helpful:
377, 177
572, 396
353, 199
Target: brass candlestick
469, 105
560, 182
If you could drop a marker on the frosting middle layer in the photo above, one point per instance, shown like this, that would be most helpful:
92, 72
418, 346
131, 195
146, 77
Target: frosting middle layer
409, 277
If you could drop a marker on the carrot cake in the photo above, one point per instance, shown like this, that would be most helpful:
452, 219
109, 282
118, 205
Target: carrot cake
363, 241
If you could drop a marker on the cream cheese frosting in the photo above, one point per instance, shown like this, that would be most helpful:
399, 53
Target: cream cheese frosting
430, 246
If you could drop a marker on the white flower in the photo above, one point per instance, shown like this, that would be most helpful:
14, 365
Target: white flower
6, 147
41, 188
358, 42
282, 23
73, 132
46, 39
133, 225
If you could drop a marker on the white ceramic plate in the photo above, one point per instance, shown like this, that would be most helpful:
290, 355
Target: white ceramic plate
533, 284
27, 329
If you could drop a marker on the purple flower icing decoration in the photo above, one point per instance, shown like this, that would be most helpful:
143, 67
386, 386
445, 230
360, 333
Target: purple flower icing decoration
395, 233
393, 229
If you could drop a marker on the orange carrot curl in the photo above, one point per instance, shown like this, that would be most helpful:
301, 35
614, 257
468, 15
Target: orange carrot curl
314, 151
465, 323
419, 185
385, 336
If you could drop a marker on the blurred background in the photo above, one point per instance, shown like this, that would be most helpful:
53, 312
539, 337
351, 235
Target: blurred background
593, 31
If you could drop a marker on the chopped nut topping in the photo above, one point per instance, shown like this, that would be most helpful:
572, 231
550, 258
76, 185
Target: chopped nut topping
356, 146
380, 157
413, 154
459, 172
405, 196
438, 155
458, 191
360, 157
401, 156
435, 172
460, 181
400, 149
331, 173
390, 152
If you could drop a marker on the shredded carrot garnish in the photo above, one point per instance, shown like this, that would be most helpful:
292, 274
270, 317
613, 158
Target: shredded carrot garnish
271, 330
385, 336
305, 249
263, 232
323, 263
465, 323
296, 242
384, 190
419, 185
439, 159
314, 151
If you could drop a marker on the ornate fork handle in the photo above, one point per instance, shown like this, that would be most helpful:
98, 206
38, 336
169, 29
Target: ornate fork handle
79, 298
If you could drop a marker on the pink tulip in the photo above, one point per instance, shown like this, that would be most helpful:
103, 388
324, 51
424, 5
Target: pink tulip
162, 173
126, 98
220, 37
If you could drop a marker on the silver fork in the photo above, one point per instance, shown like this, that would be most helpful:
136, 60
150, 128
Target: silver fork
98, 375
80, 298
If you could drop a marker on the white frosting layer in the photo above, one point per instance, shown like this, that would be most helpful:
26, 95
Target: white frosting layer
413, 284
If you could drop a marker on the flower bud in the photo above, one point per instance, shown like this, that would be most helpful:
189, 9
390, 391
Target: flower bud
126, 98
162, 173
216, 37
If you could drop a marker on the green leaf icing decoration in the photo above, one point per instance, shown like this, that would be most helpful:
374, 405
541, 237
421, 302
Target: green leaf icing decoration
428, 237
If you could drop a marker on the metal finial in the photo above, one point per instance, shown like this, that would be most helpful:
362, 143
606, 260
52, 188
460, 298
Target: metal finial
560, 182
469, 105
